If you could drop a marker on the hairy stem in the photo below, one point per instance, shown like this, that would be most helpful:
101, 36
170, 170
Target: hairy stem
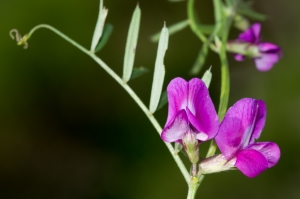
126, 87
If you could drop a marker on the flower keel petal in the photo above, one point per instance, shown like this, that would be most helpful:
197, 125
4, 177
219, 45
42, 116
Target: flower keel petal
270, 150
176, 129
251, 162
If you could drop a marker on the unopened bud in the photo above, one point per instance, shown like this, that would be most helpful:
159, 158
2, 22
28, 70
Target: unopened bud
241, 23
191, 146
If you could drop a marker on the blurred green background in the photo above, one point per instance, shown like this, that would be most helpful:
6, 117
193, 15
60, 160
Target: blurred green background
67, 130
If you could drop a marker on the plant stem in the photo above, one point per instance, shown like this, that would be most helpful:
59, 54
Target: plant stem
193, 22
225, 78
193, 186
152, 119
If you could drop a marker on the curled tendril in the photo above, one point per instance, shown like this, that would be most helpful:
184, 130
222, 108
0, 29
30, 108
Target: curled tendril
15, 35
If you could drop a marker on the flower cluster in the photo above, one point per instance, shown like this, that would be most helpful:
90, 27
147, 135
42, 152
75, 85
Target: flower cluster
249, 44
192, 119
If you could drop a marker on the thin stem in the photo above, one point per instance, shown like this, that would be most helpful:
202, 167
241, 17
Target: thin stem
193, 186
225, 78
192, 191
152, 119
193, 22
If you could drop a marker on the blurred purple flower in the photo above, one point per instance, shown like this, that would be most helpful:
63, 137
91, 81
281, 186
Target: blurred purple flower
243, 124
269, 53
191, 113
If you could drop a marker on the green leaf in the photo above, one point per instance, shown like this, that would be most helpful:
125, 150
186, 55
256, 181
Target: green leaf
159, 70
206, 29
198, 65
99, 26
218, 14
131, 43
107, 30
172, 29
252, 14
206, 78
163, 100
136, 72
199, 29
245, 8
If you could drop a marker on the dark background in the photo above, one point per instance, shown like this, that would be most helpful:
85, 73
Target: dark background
68, 130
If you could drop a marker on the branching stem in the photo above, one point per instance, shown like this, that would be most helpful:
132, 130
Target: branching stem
126, 87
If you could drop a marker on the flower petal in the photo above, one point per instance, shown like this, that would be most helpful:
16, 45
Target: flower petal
266, 61
268, 47
242, 124
259, 119
251, 35
200, 110
201, 136
176, 129
270, 150
177, 97
239, 57
251, 162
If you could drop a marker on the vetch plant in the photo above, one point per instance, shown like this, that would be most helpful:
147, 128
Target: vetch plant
192, 118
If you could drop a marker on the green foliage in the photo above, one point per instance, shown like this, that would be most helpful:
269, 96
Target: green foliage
159, 70
131, 43
137, 72
107, 31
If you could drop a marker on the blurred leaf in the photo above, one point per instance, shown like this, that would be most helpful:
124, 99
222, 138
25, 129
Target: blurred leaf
245, 8
206, 29
200, 59
163, 100
107, 30
99, 26
159, 70
206, 78
253, 15
172, 29
218, 14
198, 28
136, 72
131, 43
241, 22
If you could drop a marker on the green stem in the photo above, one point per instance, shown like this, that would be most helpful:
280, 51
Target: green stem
193, 186
152, 119
225, 78
193, 23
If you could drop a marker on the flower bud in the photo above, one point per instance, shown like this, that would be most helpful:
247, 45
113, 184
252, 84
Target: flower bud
243, 48
241, 23
191, 146
216, 164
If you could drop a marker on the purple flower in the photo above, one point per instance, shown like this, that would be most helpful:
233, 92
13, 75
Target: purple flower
191, 115
243, 124
265, 54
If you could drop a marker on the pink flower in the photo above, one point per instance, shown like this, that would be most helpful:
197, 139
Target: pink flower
242, 125
265, 54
